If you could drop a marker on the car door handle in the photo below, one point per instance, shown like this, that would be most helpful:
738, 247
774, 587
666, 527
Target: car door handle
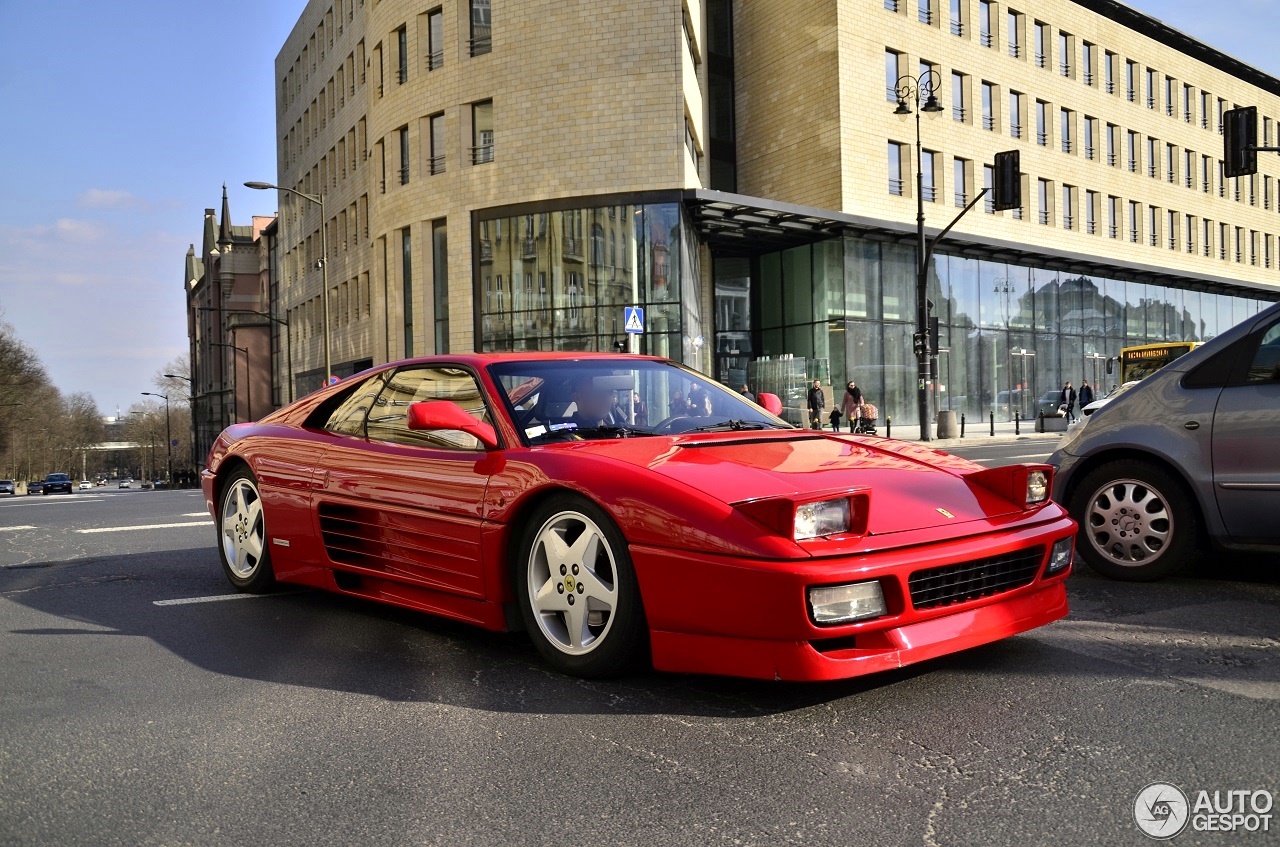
1191, 425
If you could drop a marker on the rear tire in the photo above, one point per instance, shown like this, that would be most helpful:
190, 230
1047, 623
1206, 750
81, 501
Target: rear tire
1137, 522
577, 590
242, 534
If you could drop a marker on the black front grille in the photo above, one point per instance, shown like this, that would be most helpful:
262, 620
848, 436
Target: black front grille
951, 584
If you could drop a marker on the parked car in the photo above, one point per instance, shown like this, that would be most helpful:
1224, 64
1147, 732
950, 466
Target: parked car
56, 482
7, 487
125, 483
1188, 455
525, 491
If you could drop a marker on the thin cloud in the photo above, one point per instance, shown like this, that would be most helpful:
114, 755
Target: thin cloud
100, 198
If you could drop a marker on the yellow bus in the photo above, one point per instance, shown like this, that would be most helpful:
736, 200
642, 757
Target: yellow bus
1145, 359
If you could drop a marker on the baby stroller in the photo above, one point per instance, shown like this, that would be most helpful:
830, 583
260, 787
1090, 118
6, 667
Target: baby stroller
865, 422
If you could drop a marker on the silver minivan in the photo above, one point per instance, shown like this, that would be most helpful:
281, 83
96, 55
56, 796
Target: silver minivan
1189, 455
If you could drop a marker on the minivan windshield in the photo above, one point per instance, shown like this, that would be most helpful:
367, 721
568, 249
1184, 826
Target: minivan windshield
576, 399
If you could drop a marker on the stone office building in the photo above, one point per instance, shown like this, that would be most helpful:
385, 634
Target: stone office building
509, 175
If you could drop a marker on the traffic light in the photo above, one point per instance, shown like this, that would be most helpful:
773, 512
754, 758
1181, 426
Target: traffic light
1007, 182
1240, 141
918, 343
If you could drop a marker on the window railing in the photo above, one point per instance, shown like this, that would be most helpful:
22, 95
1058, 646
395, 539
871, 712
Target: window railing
891, 5
1207, 250
957, 28
1133, 236
1017, 213
1131, 95
1111, 86
1189, 181
1151, 102
895, 187
1088, 152
481, 40
404, 175
1015, 130
1207, 186
925, 15
1113, 231
435, 60
402, 74
436, 164
1044, 216
530, 248
1065, 69
1191, 248
890, 94
989, 204
482, 154
929, 193
1204, 122
985, 39
1015, 49
1222, 253
1111, 159
1152, 240
958, 113
1068, 222
988, 122
1088, 77
1173, 243
486, 250
1171, 176
1186, 116
1041, 60
1091, 227
1042, 138
1168, 109
962, 199
1066, 145
1151, 171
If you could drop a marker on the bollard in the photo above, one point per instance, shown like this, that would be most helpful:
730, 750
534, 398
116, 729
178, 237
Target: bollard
1017, 420
993, 423
888, 427
1040, 421
962, 424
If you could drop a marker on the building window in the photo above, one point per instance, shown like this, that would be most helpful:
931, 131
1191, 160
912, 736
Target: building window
404, 155
1114, 213
1042, 44
1153, 226
482, 132
961, 181
1090, 133
1015, 34
1066, 52
1091, 212
958, 8
1169, 103
1189, 169
1109, 60
895, 168
1113, 145
1151, 88
927, 181
988, 180
892, 73
406, 278
690, 143
1206, 240
481, 27
1187, 99
1015, 114
1189, 233
1087, 61
1130, 80
1171, 163
440, 283
1135, 209
988, 106
1206, 104
1042, 123
435, 39
924, 11
1068, 207
1067, 118
402, 55
1042, 198
1171, 228
436, 164
1153, 157
984, 23
958, 99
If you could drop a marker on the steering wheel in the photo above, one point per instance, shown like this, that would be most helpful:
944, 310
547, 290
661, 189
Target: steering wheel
673, 424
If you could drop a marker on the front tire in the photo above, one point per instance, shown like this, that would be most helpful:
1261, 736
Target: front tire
1137, 523
242, 534
577, 590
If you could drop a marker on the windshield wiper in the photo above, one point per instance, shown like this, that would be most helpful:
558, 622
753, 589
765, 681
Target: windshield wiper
736, 425
616, 430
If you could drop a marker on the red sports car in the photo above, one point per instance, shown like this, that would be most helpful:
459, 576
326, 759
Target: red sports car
624, 507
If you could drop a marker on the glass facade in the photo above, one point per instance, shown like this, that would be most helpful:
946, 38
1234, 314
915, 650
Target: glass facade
560, 280
1010, 334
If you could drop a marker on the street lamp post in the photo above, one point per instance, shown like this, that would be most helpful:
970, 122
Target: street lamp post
235, 394
318, 199
168, 438
911, 90
191, 413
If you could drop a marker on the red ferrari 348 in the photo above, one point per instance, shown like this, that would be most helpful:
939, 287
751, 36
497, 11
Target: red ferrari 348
619, 508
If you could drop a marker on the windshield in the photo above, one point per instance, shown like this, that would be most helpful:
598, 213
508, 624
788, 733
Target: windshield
558, 400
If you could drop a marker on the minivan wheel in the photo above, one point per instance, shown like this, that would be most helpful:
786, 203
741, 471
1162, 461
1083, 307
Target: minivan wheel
1137, 523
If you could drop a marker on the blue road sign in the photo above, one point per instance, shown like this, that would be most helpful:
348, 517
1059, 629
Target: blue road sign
633, 319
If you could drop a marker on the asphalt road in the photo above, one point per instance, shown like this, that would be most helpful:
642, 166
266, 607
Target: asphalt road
309, 719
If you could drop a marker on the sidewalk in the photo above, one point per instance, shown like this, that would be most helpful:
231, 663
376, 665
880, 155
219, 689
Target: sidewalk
979, 434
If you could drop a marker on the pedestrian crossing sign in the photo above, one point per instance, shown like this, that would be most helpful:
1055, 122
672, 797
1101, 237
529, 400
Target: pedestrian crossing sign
633, 319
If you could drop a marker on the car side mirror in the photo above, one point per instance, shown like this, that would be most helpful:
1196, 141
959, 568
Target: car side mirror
441, 414
769, 402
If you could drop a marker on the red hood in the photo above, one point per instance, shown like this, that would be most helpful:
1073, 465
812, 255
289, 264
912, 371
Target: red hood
911, 486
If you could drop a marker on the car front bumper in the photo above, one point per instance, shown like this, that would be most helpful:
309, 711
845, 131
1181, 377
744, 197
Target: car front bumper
718, 616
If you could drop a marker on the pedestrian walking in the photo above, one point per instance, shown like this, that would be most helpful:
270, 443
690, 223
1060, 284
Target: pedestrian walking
817, 403
1086, 393
850, 402
1067, 401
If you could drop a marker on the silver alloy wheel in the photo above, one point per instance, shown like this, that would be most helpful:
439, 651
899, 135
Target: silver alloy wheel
573, 585
243, 530
1129, 522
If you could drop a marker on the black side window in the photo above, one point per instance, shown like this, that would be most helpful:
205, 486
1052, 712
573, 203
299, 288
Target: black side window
1265, 364
349, 417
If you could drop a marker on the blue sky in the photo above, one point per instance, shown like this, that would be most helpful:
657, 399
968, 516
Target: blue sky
120, 124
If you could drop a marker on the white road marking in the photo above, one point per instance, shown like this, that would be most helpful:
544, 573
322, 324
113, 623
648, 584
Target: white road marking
194, 515
45, 501
216, 597
148, 526
1030, 456
13, 528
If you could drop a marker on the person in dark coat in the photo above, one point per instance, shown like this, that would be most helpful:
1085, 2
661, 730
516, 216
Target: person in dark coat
817, 402
850, 404
1086, 393
745, 391
1067, 401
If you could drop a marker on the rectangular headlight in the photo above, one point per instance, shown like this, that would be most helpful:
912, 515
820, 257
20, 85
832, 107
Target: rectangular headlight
858, 601
1037, 487
826, 517
1060, 555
